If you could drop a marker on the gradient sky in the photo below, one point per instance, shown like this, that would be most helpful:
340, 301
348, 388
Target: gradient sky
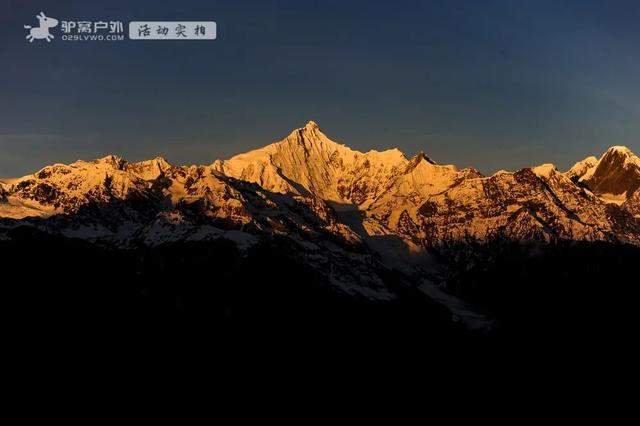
486, 83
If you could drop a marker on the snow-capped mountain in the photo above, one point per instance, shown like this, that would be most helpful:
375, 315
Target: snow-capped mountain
307, 161
427, 204
616, 175
374, 226
539, 204
120, 204
582, 168
316, 192
423, 202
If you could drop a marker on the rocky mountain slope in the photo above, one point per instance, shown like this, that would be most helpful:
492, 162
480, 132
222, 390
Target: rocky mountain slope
416, 198
118, 204
615, 176
426, 204
348, 211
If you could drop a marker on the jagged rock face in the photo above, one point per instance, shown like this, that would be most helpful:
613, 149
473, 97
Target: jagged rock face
142, 195
3, 193
408, 193
581, 168
342, 211
307, 161
427, 204
617, 173
119, 204
65, 188
521, 206
302, 185
632, 204
381, 184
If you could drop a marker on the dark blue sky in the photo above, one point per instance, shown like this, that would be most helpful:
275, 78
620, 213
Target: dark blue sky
485, 83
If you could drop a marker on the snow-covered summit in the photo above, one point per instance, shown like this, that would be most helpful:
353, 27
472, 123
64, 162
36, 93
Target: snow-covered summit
416, 200
581, 168
311, 125
616, 175
307, 161
544, 170
619, 149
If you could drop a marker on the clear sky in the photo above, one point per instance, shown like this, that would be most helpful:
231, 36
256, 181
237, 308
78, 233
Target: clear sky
485, 83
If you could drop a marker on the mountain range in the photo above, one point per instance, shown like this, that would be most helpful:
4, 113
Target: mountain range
350, 215
420, 201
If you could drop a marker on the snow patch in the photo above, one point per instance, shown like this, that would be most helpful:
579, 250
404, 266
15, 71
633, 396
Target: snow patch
544, 170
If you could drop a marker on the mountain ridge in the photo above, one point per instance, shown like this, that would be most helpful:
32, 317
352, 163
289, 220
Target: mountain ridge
353, 218
416, 199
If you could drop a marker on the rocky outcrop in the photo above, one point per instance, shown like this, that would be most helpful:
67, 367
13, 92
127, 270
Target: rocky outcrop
321, 193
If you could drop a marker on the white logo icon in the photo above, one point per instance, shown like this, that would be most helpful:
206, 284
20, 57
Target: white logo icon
41, 32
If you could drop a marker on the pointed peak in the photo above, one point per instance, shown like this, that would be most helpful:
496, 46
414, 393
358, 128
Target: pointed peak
310, 136
622, 154
616, 173
419, 159
311, 125
310, 129
619, 149
421, 156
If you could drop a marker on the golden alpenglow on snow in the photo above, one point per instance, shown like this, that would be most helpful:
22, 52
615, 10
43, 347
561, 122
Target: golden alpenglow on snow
414, 199
365, 225
230, 185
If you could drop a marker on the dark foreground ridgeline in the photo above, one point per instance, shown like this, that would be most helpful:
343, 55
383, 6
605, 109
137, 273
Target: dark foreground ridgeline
67, 291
